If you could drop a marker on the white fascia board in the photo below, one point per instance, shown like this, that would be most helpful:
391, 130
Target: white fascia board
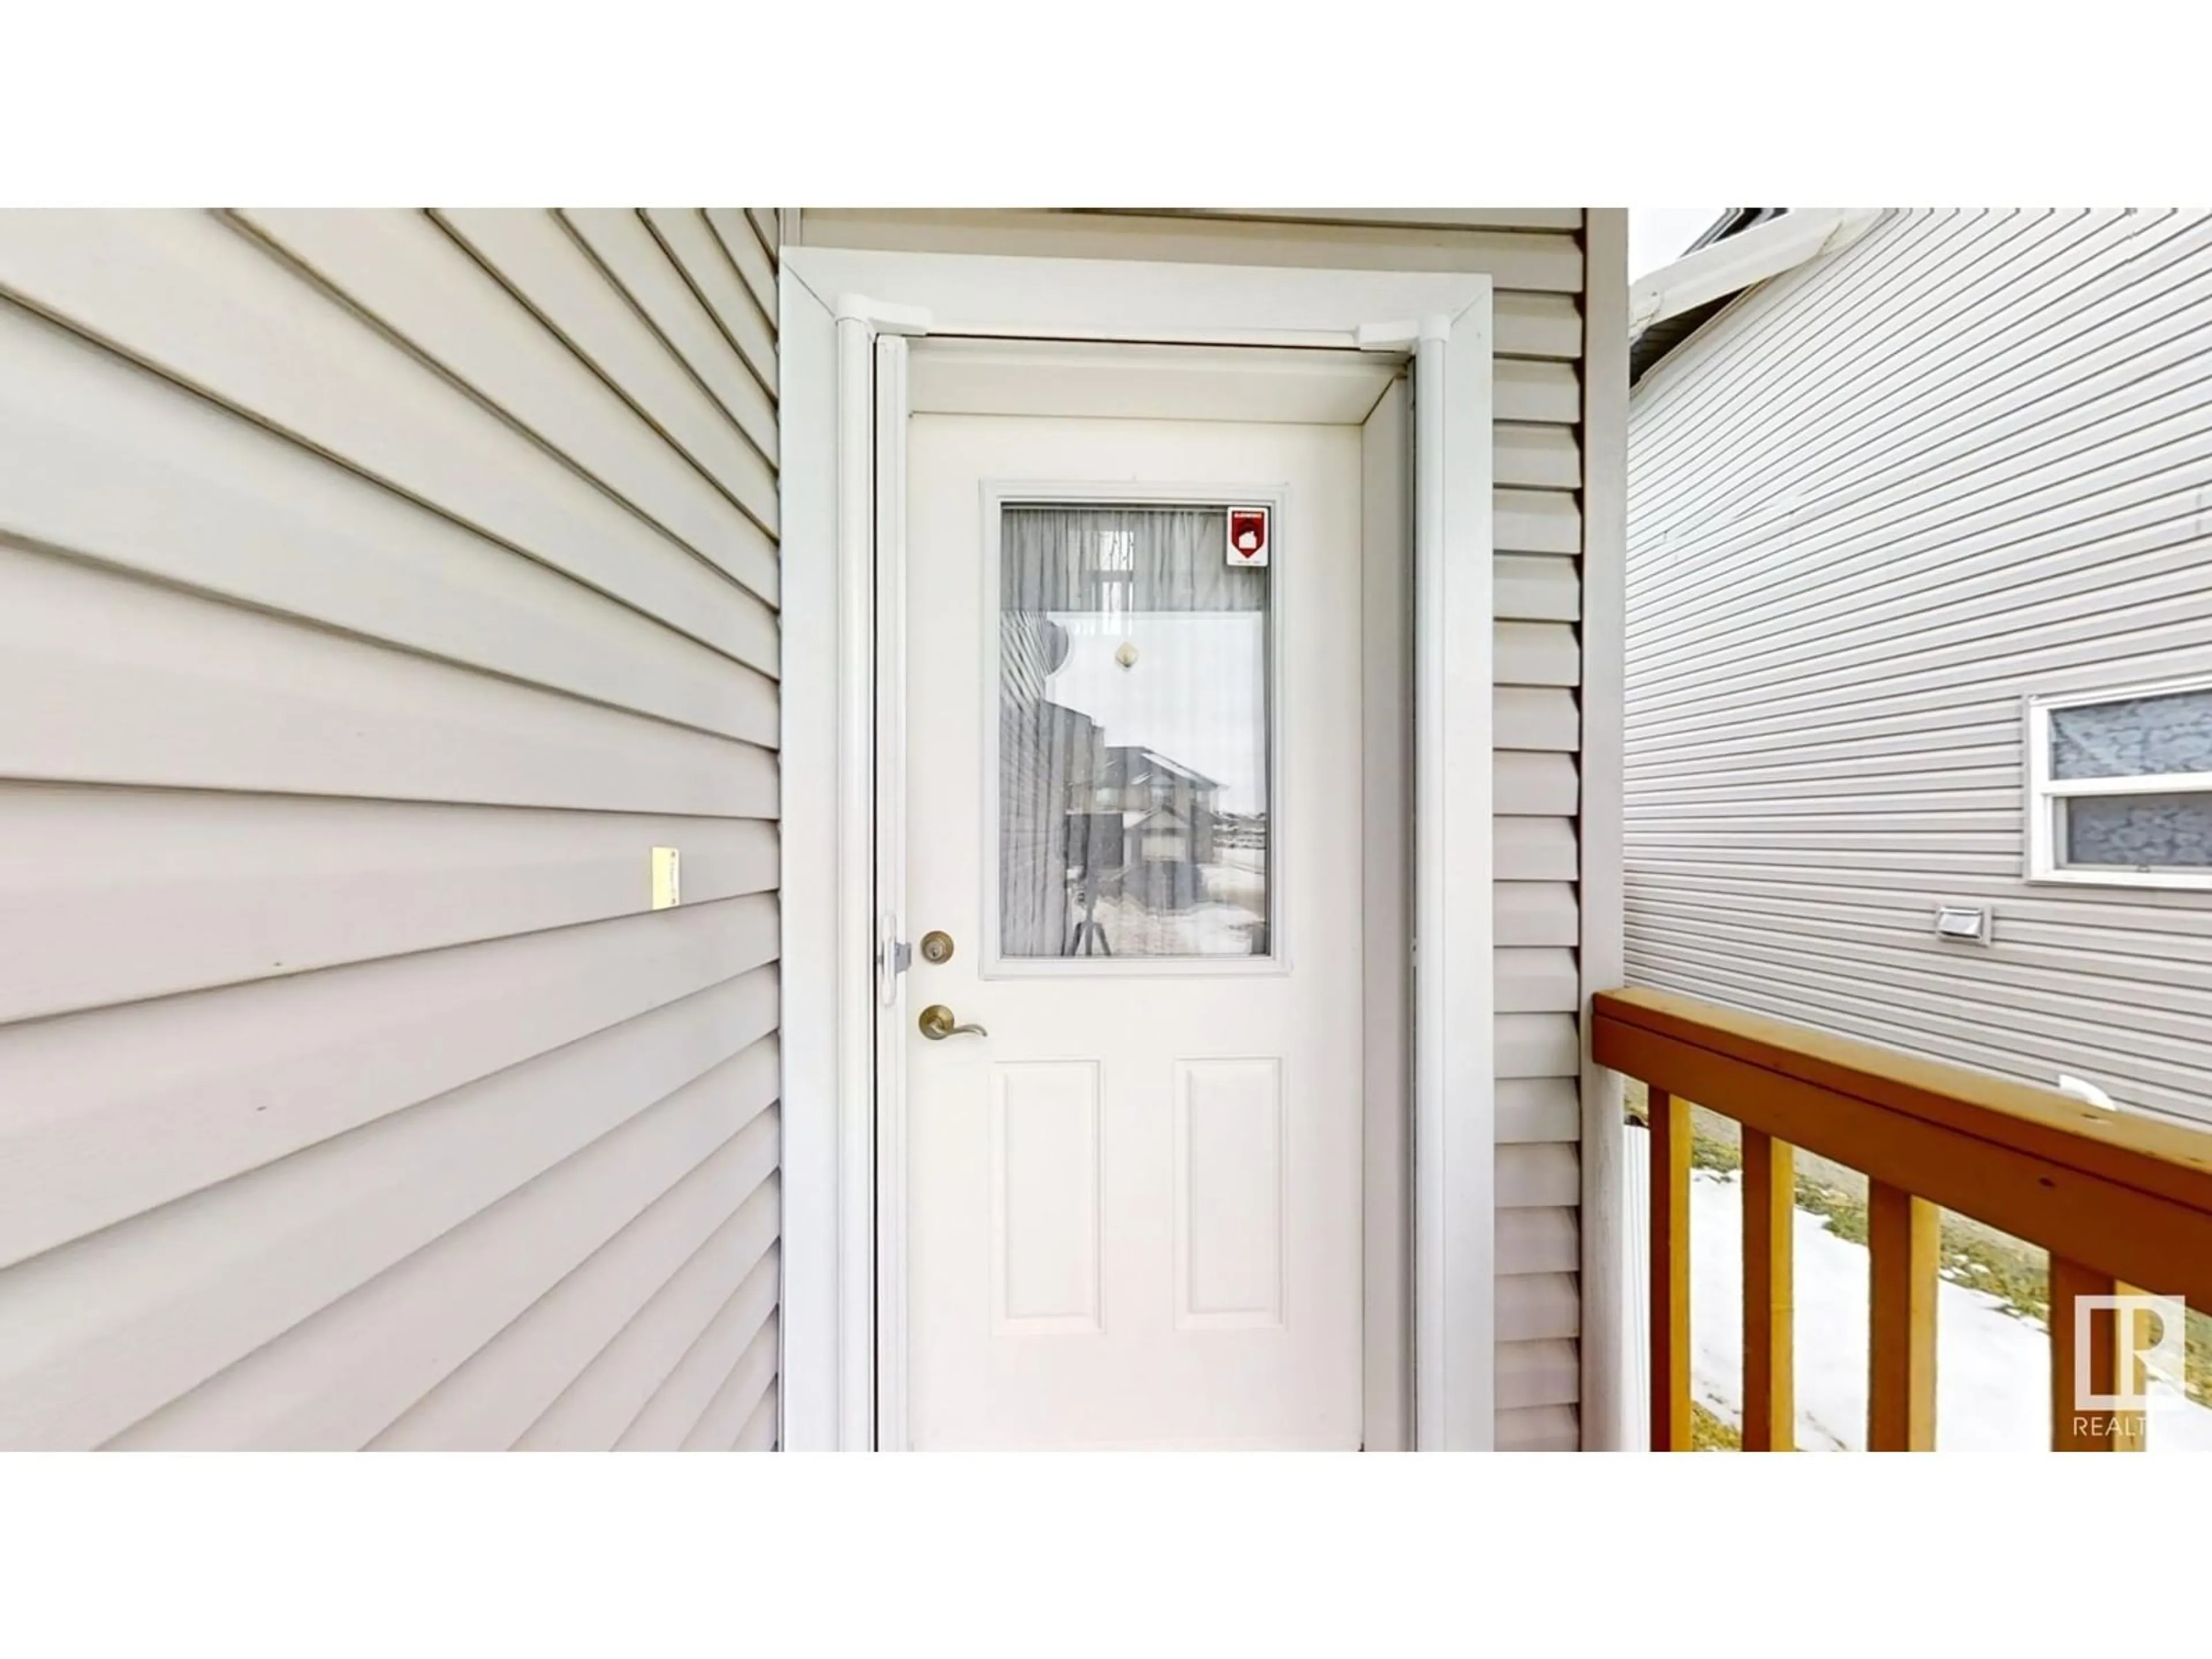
1736, 262
992, 295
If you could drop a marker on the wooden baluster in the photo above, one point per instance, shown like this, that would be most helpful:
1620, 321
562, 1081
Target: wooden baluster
1670, 1272
2071, 1428
1769, 1410
1904, 1239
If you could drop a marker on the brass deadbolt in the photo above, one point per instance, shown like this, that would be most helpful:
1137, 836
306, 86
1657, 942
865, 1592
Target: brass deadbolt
936, 947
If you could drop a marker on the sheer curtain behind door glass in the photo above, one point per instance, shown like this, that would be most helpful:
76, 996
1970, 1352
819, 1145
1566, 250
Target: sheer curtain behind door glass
1133, 785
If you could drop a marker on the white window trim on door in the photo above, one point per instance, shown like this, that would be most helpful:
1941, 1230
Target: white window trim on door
841, 447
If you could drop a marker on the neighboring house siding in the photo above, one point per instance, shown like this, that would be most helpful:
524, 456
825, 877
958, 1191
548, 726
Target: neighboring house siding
376, 591
1535, 257
1874, 506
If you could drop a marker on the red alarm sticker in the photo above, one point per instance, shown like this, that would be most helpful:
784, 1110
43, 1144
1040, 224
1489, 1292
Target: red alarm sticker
1248, 536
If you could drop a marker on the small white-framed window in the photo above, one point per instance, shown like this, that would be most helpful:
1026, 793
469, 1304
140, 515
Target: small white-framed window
2120, 785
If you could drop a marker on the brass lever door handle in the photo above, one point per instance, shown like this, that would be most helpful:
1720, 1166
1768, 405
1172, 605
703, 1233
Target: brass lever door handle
936, 1025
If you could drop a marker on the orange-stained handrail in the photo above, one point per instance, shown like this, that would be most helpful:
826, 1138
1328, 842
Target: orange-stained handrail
2118, 1200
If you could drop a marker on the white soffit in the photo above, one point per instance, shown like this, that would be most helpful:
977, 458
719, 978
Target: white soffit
1736, 262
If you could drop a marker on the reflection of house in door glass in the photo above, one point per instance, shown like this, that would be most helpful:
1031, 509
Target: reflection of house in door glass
1133, 787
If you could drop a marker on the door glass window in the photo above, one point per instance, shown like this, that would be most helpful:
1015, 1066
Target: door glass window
1134, 720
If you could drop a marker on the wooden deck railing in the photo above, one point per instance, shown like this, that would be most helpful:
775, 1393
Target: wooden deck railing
2118, 1202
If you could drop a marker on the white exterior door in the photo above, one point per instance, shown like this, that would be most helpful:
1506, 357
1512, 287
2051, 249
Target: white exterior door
1134, 808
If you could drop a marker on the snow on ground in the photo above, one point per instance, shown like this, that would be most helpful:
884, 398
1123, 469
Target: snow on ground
1992, 1368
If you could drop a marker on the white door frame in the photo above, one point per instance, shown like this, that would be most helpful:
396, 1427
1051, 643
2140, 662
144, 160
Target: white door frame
844, 314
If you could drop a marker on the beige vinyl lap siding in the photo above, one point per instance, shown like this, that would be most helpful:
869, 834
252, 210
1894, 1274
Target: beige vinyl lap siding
1535, 255
376, 590
1874, 506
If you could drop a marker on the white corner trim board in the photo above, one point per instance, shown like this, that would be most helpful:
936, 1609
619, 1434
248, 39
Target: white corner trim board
835, 303
1611, 1399
1736, 262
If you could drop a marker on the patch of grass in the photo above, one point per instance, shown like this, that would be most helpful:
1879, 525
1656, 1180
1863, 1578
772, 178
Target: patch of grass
2019, 1278
1843, 1214
1709, 1152
1711, 1433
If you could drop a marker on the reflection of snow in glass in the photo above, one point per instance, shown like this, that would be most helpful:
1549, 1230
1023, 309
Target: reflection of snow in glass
1197, 692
